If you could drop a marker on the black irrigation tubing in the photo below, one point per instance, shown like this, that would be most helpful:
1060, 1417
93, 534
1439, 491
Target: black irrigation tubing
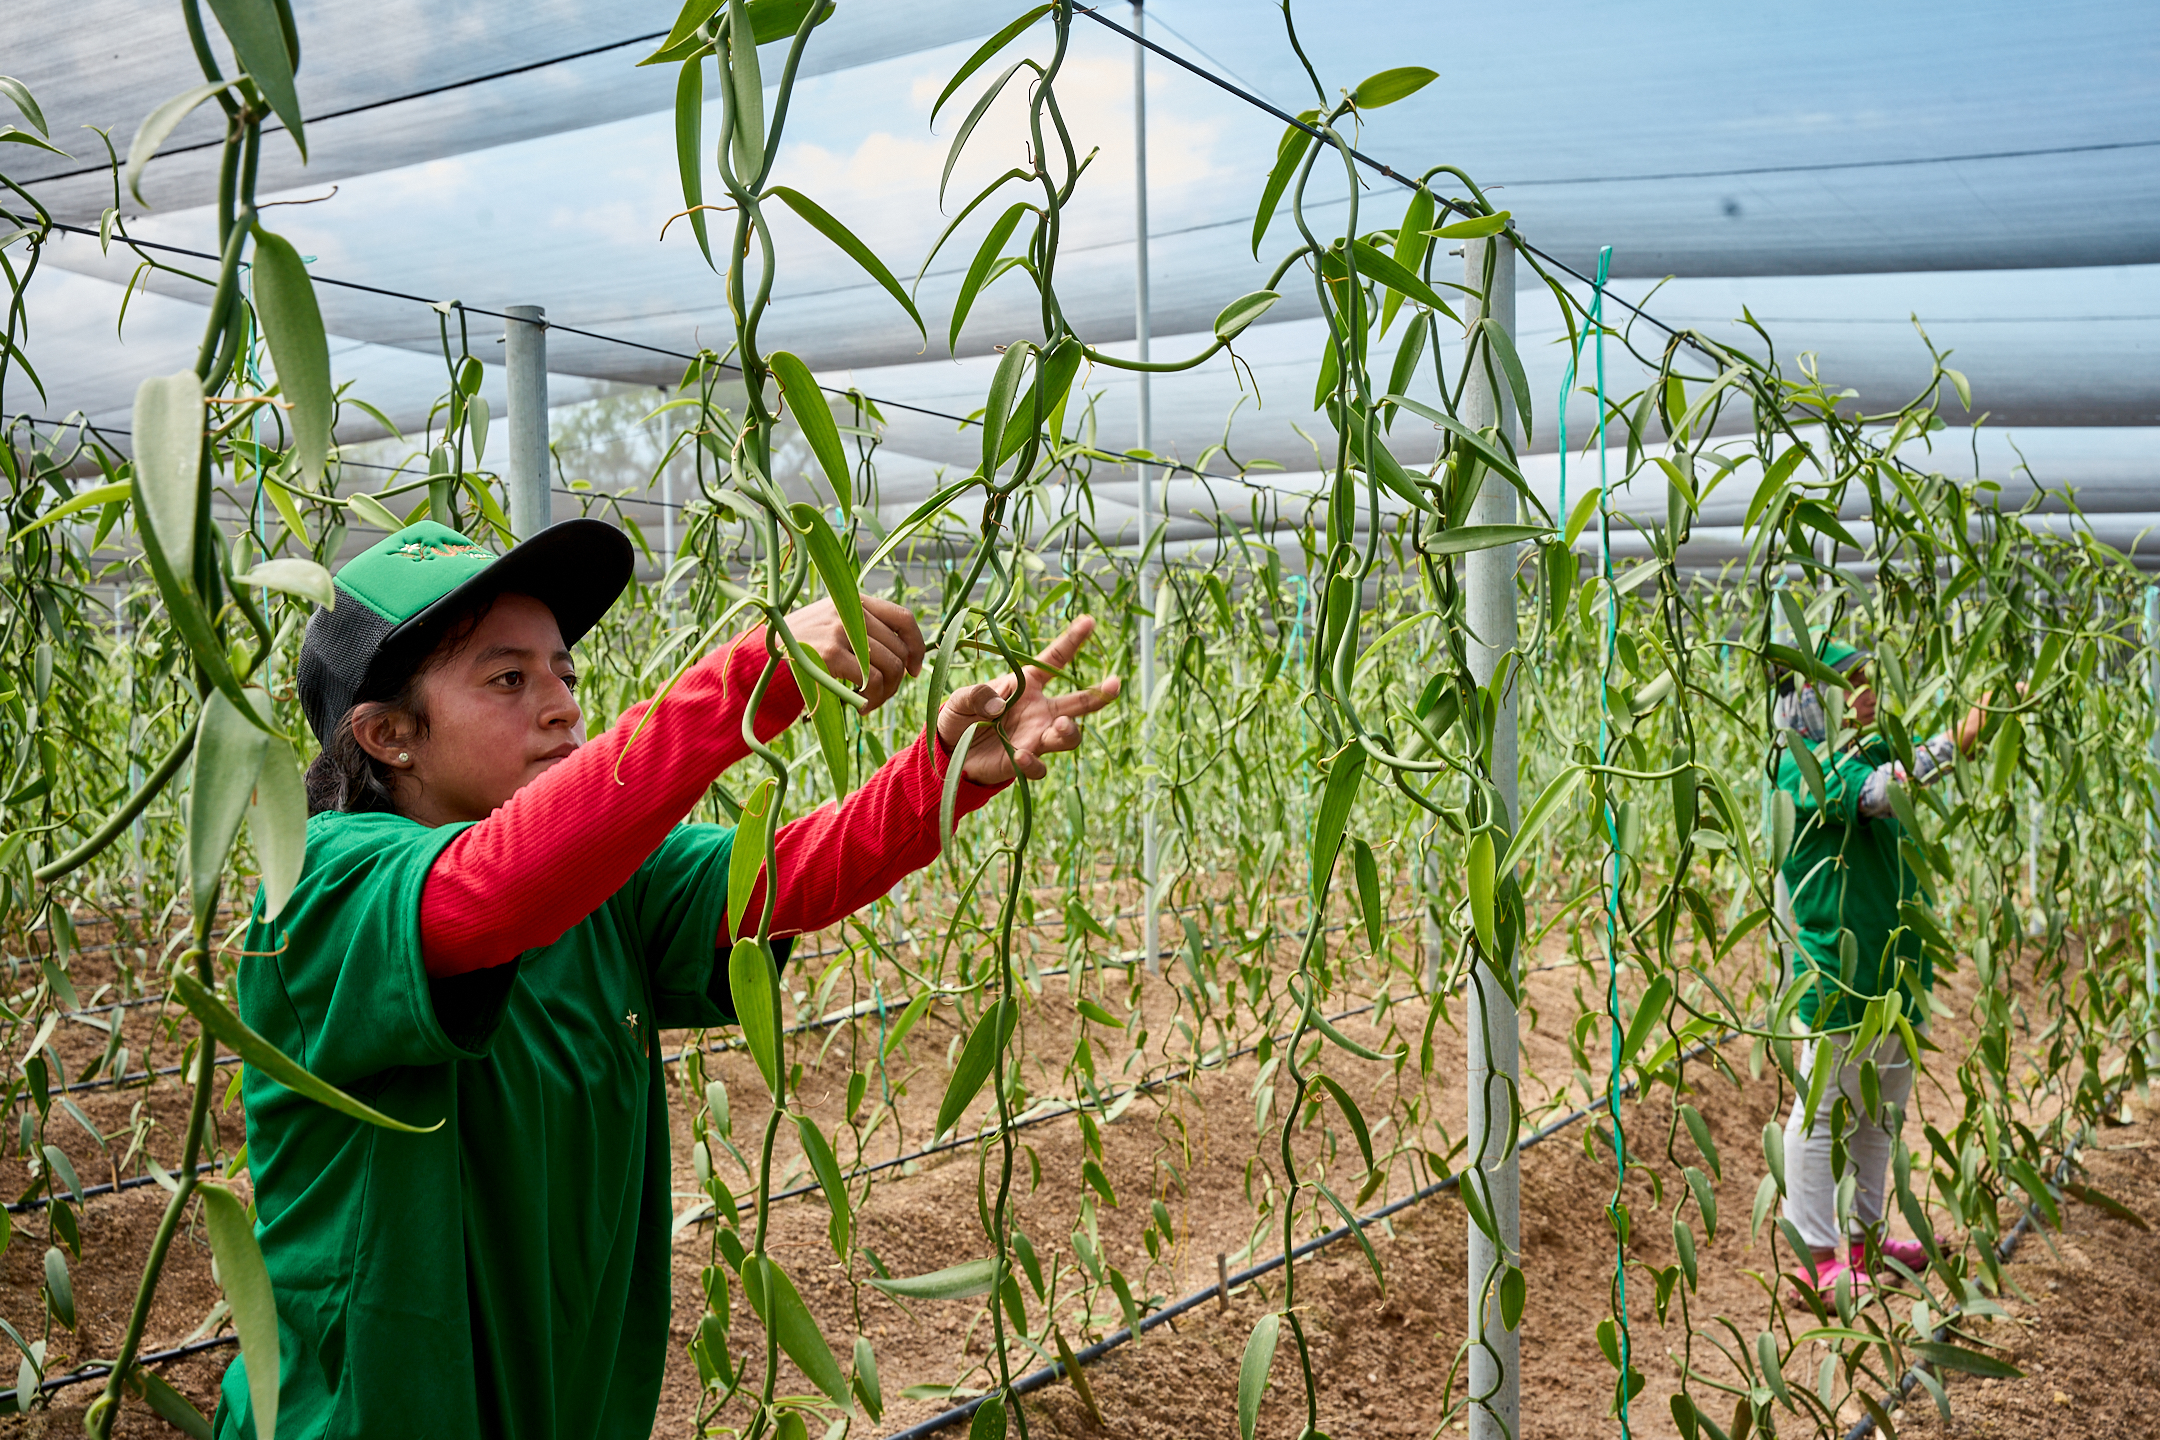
863, 1009
134, 1182
103, 1187
1101, 1104
1027, 1383
159, 1357
1861, 1430
1037, 1379
94, 1372
1865, 1425
1024, 1122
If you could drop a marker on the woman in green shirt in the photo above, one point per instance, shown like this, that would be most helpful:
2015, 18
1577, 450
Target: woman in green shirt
495, 920
1847, 877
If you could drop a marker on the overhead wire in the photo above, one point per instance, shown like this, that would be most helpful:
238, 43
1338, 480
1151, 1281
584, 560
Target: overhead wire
1684, 336
277, 128
844, 392
1378, 167
1241, 91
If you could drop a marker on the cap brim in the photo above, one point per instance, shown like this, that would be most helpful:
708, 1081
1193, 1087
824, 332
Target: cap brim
577, 568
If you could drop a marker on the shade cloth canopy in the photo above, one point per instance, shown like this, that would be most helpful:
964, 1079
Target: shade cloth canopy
1990, 170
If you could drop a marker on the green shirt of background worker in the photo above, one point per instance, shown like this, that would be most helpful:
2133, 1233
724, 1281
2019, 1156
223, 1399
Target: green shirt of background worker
1848, 877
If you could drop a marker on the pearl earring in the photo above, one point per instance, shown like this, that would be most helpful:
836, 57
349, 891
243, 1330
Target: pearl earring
404, 757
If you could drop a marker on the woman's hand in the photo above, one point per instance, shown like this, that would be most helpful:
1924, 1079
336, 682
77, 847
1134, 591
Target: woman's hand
896, 645
1034, 723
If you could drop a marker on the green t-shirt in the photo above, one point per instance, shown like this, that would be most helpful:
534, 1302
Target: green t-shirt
508, 1274
1846, 873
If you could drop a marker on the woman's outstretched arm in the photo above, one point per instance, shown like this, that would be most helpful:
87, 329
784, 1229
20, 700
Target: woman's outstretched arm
561, 846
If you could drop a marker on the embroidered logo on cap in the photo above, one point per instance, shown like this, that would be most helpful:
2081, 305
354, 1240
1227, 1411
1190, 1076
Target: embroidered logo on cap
437, 550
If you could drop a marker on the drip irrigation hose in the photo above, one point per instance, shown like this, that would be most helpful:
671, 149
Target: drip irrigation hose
1021, 1122
94, 1372
1037, 1379
822, 1022
98, 1371
1027, 1121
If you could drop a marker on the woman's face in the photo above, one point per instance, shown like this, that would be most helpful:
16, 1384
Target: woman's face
500, 713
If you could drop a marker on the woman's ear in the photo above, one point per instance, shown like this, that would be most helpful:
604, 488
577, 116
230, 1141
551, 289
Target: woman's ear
385, 734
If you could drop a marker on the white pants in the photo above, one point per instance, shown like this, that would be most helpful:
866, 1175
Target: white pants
1810, 1188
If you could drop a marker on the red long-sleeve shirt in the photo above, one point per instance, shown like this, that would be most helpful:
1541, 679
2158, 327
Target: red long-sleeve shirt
556, 850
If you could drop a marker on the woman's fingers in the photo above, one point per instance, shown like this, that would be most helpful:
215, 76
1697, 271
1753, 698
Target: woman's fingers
980, 701
888, 664
903, 635
1088, 701
840, 660
1062, 650
1060, 734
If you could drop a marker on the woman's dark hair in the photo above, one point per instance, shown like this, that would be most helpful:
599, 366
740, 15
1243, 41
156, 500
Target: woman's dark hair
344, 776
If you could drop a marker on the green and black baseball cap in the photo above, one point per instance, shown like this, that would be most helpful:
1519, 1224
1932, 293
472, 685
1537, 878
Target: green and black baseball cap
396, 599
1840, 656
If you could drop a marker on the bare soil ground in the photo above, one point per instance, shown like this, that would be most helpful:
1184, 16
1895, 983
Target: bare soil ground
2084, 1321
1384, 1354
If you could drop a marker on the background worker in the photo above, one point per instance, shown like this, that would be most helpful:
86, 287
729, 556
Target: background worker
1847, 877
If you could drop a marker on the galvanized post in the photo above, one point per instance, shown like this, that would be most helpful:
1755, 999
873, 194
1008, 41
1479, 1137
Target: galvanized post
1150, 839
1435, 941
1780, 888
525, 358
2152, 831
1494, 1039
667, 516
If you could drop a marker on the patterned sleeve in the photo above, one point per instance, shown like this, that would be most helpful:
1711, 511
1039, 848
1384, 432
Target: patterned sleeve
1929, 760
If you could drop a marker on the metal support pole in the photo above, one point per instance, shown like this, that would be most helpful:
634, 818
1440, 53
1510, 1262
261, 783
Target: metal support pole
2152, 832
525, 357
667, 536
1429, 861
2032, 851
1780, 889
1150, 840
1435, 942
1495, 1040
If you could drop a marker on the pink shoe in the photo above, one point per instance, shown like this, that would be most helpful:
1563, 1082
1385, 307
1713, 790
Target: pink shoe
1824, 1277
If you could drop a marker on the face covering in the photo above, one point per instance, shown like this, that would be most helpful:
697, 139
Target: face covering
1801, 710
